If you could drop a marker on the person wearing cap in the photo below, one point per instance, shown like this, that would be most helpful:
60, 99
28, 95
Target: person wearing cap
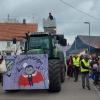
76, 66
85, 68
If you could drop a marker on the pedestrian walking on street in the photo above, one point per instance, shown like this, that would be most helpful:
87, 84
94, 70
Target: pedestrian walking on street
1, 75
95, 69
76, 66
70, 67
85, 69
99, 72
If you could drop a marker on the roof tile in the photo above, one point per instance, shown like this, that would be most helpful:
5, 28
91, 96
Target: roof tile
8, 31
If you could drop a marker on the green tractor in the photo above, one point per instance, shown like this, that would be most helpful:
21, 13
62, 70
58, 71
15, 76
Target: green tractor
47, 44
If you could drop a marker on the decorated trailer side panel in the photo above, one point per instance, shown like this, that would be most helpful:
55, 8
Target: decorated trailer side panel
26, 72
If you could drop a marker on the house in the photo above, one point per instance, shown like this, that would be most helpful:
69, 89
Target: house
86, 43
11, 35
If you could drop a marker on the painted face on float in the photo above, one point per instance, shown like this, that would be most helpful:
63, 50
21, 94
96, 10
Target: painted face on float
29, 70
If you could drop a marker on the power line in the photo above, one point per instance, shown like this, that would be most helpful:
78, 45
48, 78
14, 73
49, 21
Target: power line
78, 9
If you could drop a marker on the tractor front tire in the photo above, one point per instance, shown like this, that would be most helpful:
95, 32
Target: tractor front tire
54, 76
63, 71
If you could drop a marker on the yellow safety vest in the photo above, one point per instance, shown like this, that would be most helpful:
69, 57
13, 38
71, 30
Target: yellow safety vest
86, 64
76, 61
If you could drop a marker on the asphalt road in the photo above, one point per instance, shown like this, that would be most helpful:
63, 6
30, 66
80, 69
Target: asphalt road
70, 91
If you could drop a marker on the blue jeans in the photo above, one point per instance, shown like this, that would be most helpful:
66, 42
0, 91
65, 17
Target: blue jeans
96, 76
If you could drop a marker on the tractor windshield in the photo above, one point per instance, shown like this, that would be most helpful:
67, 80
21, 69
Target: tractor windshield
39, 43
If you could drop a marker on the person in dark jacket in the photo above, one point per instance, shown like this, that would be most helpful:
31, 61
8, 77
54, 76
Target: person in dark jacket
1, 76
50, 16
95, 67
70, 67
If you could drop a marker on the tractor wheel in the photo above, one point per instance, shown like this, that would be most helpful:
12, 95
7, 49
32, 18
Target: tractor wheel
63, 71
54, 76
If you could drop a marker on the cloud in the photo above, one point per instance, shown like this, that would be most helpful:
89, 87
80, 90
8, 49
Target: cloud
86, 6
69, 21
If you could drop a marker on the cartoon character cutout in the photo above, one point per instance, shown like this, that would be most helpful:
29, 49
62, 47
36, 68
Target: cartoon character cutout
31, 76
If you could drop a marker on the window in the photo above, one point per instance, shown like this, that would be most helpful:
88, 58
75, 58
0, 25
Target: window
39, 42
8, 43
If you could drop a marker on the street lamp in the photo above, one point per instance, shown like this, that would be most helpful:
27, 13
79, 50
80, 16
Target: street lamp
89, 34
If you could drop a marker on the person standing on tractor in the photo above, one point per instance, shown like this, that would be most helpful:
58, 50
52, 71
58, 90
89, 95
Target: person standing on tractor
85, 69
76, 66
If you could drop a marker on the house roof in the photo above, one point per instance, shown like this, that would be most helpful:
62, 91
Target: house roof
94, 40
77, 51
8, 31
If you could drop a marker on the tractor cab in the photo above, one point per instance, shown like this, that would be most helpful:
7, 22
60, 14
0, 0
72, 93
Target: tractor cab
44, 43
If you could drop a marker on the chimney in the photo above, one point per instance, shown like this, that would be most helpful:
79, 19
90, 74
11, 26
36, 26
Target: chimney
24, 21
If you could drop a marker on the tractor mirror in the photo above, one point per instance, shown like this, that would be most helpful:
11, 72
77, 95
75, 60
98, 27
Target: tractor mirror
63, 42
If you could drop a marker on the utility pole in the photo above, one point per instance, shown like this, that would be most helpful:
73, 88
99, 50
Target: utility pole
89, 35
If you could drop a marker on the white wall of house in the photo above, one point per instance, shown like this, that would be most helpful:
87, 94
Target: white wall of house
8, 46
3, 45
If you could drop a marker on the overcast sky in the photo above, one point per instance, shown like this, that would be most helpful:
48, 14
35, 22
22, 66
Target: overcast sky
70, 22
